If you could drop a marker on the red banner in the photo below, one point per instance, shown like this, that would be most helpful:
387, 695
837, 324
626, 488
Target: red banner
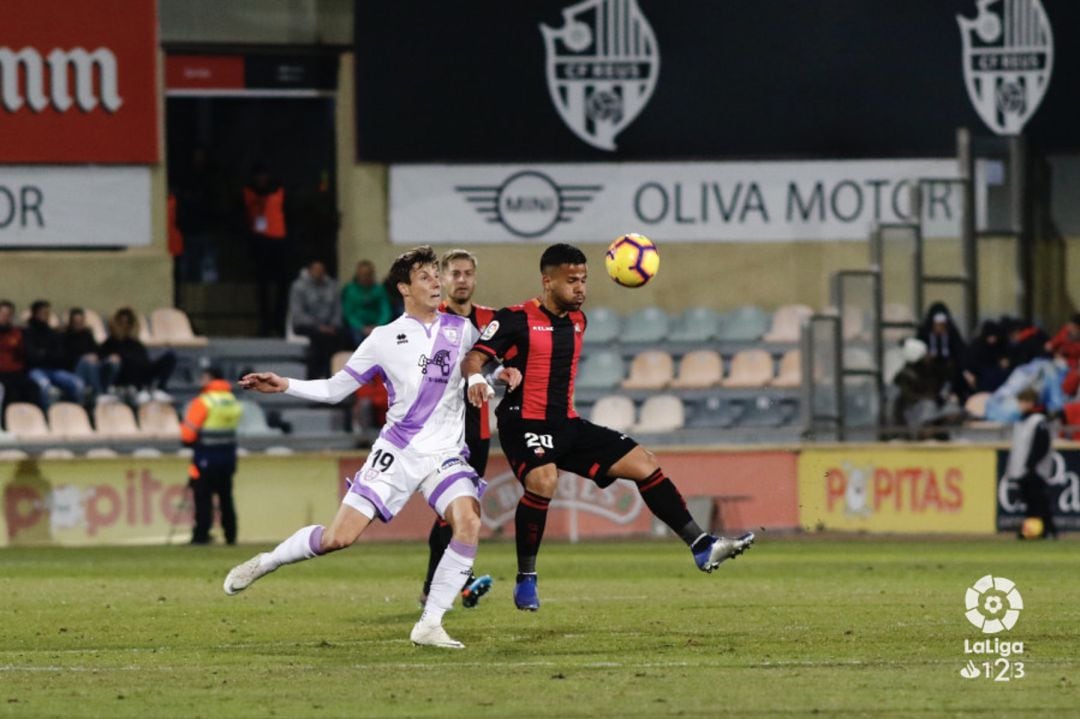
78, 81
204, 72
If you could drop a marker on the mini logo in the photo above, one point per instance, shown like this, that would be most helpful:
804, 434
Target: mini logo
993, 604
1008, 59
441, 360
602, 66
528, 203
402, 339
95, 79
490, 330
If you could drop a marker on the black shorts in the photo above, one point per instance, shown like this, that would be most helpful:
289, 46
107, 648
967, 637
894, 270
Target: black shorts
576, 445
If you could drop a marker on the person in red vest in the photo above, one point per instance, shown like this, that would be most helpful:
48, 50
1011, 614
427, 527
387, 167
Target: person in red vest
264, 204
15, 384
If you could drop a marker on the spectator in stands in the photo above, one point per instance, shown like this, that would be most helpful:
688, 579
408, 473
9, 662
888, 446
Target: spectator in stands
195, 219
987, 363
364, 303
1026, 341
1030, 463
264, 205
315, 309
13, 378
946, 349
1066, 343
45, 359
148, 377
920, 402
82, 356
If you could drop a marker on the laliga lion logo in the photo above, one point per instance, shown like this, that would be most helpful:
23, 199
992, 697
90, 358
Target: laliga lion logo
1008, 59
993, 604
602, 66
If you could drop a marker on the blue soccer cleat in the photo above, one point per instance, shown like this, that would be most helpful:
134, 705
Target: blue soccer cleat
476, 588
722, 549
525, 595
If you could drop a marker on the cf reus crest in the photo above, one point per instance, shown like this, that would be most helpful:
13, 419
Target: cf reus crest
602, 66
1008, 59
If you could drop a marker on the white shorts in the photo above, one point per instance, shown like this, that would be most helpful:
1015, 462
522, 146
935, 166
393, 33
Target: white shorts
390, 476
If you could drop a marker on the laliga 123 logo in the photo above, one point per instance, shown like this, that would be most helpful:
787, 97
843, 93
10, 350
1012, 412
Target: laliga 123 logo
1008, 59
602, 66
993, 605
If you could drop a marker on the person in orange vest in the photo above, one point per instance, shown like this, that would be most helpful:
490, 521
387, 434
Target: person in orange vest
209, 427
264, 205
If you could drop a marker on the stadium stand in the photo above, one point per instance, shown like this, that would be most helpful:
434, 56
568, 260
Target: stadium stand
604, 326
68, 421
790, 373
170, 327
116, 420
253, 422
787, 323
159, 420
600, 370
614, 411
699, 369
750, 368
58, 453
695, 325
744, 324
13, 455
660, 414
651, 369
646, 326
26, 421
101, 453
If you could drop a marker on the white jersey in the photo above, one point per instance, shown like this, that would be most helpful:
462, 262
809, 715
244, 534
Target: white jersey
421, 367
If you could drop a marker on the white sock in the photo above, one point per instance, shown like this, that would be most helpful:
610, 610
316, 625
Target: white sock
450, 576
303, 544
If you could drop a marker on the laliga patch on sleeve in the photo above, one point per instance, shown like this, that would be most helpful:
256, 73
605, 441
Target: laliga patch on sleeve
490, 330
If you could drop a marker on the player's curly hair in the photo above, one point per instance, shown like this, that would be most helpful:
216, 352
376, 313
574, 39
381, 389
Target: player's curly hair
404, 264
561, 254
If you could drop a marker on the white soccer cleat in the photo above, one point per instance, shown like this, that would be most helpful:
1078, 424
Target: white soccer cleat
242, 575
723, 549
433, 635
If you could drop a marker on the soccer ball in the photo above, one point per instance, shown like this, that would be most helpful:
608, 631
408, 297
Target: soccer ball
632, 260
1032, 528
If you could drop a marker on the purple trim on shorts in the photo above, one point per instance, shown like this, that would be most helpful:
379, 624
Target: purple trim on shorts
465, 550
385, 514
445, 485
368, 375
315, 540
431, 391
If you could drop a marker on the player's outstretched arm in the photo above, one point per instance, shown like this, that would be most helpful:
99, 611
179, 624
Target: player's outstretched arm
266, 382
471, 367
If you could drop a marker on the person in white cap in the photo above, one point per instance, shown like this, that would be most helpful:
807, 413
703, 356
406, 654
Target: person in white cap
919, 387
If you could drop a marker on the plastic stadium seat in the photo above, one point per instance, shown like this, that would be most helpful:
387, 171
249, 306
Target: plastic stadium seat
253, 422
604, 326
144, 331
159, 420
697, 324
96, 325
790, 373
116, 420
745, 324
171, 327
13, 455
750, 368
278, 451
26, 421
614, 411
716, 412
699, 369
787, 323
58, 453
101, 453
976, 405
69, 421
853, 324
146, 452
338, 360
600, 370
189, 452
649, 325
766, 412
652, 369
661, 413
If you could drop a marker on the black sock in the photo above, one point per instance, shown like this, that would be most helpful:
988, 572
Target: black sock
663, 500
529, 521
438, 541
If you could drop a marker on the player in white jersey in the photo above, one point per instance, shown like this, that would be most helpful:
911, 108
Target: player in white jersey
420, 448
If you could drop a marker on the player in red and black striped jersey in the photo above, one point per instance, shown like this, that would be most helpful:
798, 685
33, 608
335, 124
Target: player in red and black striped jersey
540, 432
457, 273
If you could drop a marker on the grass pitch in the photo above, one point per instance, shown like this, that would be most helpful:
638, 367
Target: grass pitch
798, 626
